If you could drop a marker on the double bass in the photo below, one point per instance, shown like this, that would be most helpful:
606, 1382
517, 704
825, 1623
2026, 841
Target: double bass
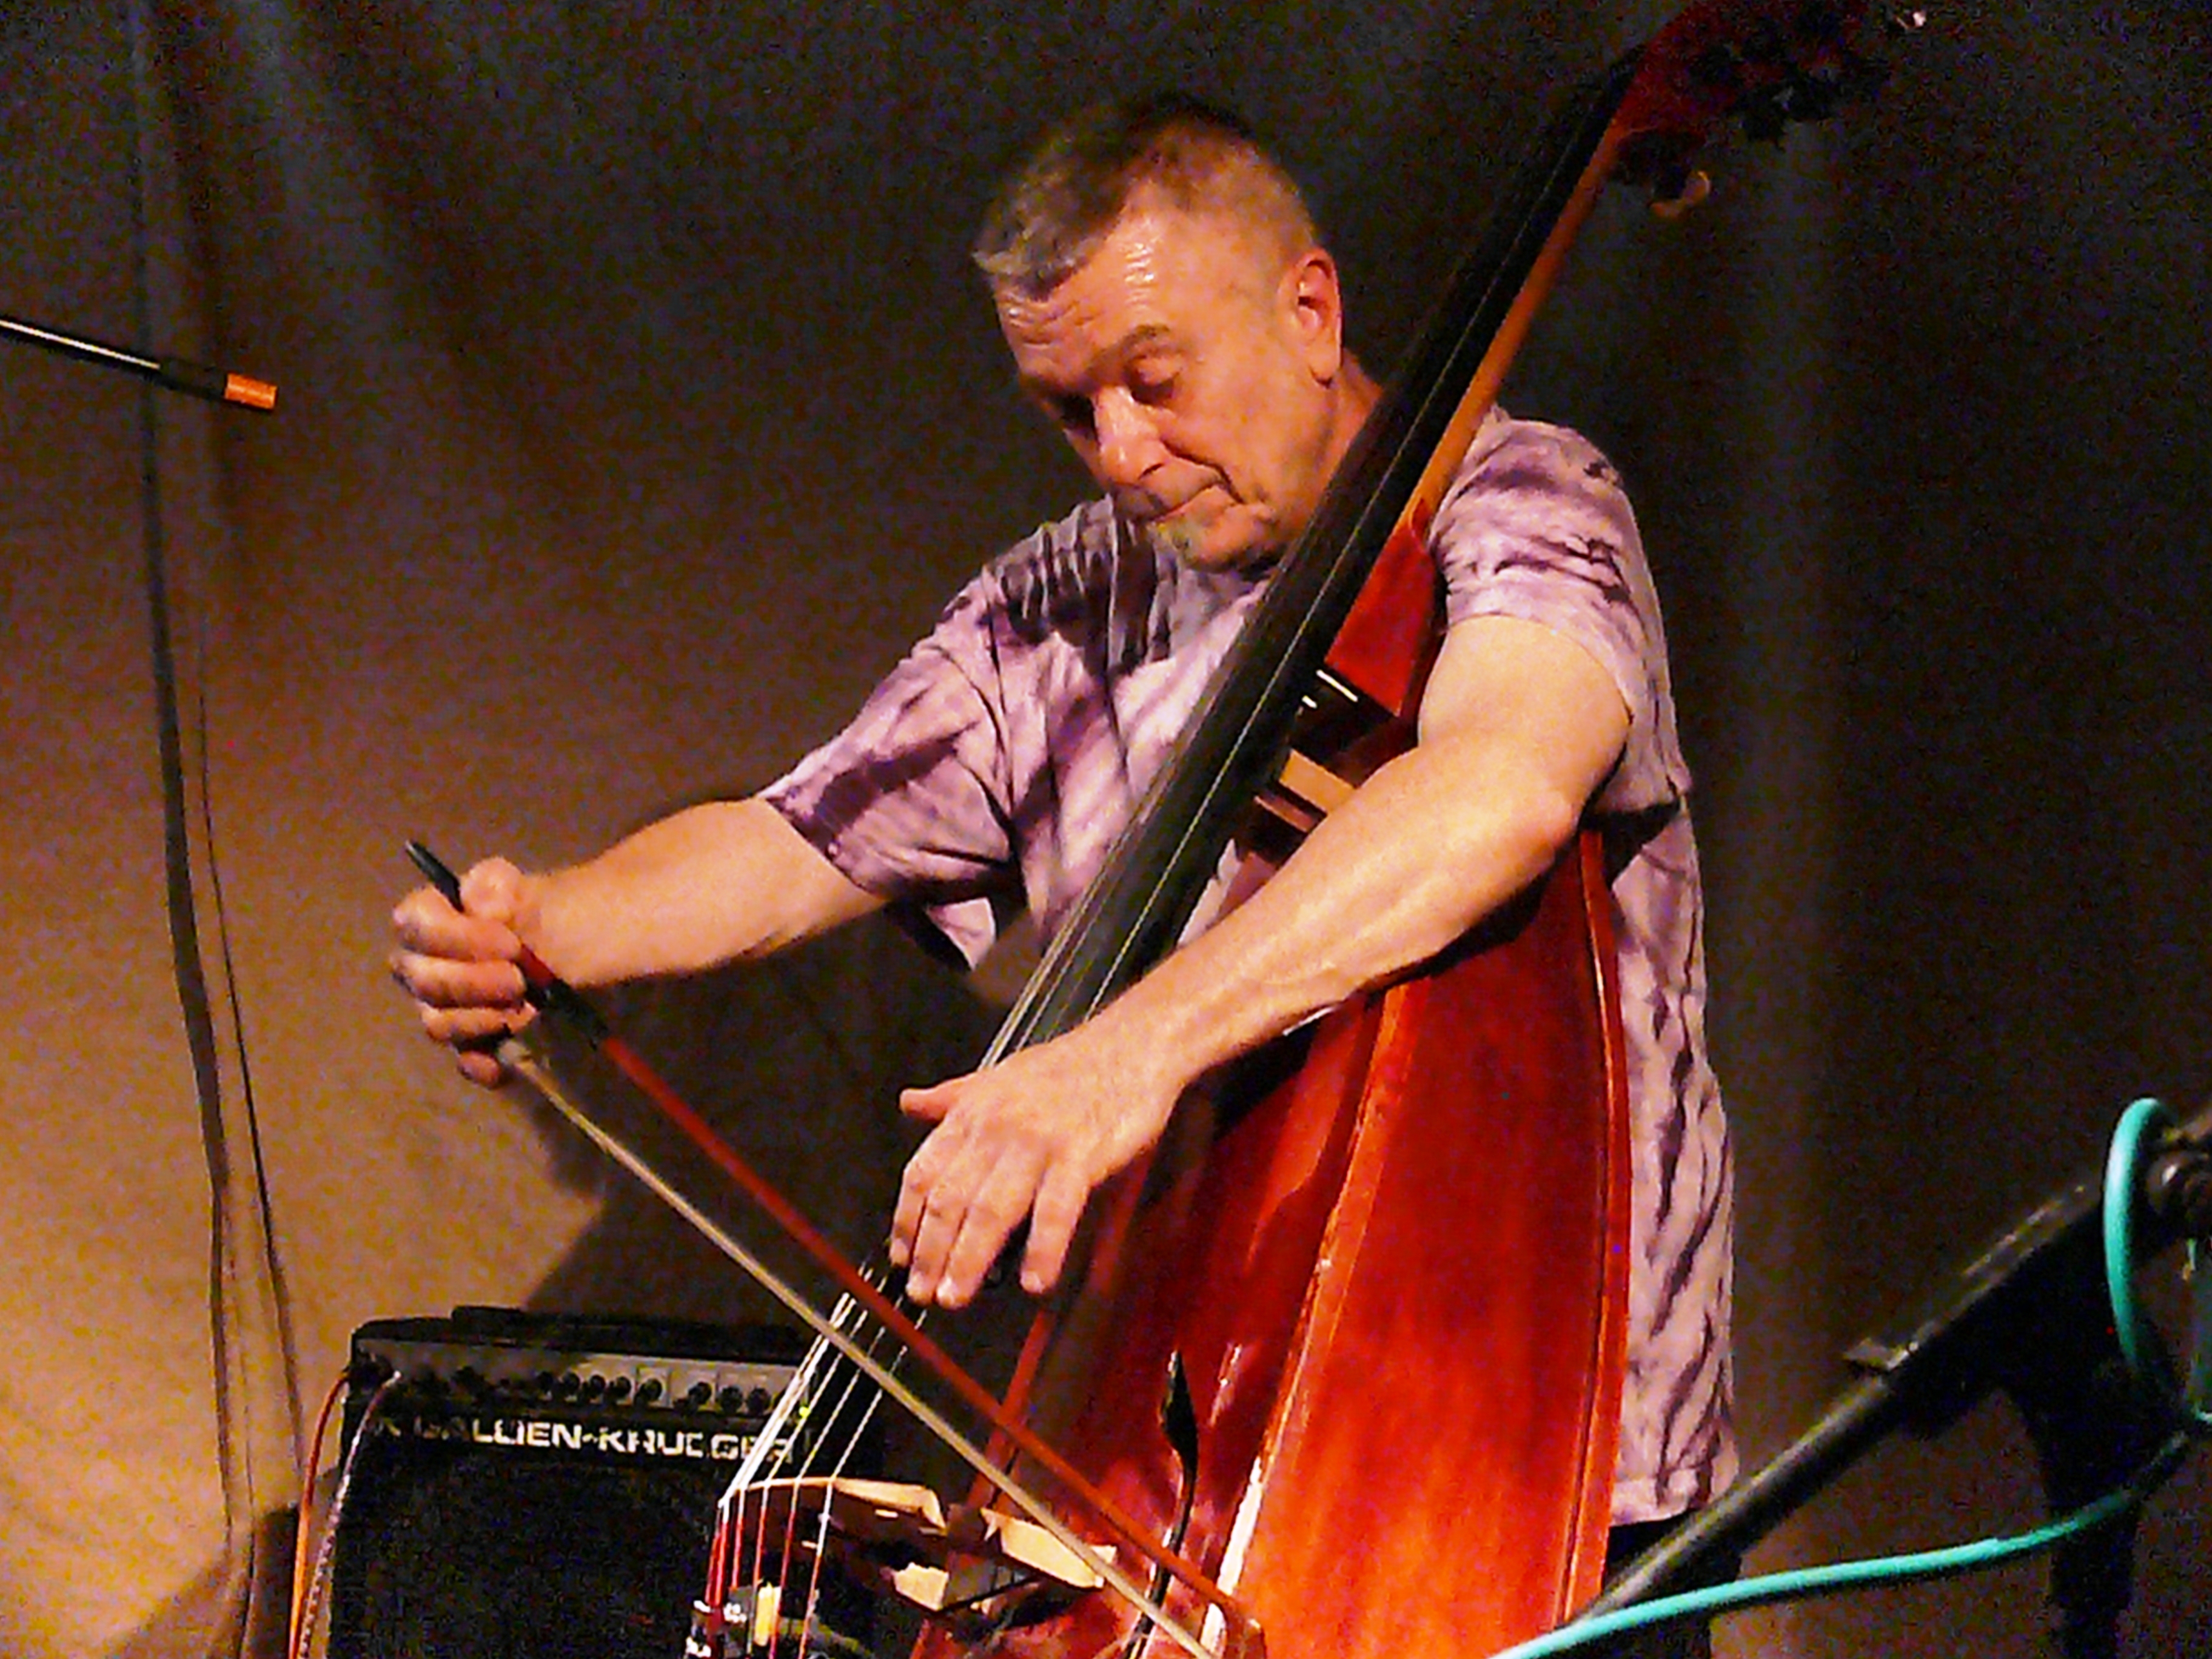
1350, 1373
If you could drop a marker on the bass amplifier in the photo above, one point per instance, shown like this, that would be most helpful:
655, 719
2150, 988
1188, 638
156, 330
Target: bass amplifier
538, 1486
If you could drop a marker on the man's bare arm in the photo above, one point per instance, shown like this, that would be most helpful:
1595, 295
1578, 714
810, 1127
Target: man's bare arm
1518, 729
725, 881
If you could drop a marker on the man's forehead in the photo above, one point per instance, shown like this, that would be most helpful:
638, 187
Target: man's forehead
1148, 220
1136, 289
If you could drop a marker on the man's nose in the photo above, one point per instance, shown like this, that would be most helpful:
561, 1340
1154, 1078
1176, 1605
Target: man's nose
1128, 443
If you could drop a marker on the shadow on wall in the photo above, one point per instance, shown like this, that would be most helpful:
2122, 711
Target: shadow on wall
797, 1063
200, 1619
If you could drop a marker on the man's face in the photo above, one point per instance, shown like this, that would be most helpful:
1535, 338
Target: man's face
1201, 380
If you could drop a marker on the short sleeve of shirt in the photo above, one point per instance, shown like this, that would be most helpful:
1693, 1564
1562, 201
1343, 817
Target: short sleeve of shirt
911, 799
1537, 526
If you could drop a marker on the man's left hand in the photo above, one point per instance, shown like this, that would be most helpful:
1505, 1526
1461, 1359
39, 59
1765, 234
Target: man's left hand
1028, 1140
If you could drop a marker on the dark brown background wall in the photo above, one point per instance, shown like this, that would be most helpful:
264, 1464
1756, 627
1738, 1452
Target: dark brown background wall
637, 407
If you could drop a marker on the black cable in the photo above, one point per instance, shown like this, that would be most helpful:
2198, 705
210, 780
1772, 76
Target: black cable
280, 1288
185, 962
231, 1381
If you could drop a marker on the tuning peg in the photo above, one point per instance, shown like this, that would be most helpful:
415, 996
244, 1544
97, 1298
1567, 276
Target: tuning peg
1673, 198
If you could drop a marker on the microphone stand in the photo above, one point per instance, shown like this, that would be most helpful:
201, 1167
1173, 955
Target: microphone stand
177, 373
2028, 1316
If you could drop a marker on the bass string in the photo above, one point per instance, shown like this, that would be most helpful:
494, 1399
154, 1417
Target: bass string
768, 1443
784, 1453
871, 1402
846, 1429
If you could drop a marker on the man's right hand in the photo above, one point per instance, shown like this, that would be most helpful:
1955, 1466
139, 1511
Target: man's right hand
460, 966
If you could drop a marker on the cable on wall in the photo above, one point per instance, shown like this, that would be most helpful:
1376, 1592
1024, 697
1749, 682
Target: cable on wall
245, 1270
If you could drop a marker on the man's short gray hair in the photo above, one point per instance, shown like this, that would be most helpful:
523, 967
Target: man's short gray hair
1055, 208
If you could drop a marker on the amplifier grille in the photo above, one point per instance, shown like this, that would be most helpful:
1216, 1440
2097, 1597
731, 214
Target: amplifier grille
538, 1486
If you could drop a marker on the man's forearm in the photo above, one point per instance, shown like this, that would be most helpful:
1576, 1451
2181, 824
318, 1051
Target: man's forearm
1398, 872
1419, 853
1519, 727
721, 881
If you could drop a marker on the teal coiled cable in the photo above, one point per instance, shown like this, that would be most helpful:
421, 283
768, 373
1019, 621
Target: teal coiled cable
2186, 1407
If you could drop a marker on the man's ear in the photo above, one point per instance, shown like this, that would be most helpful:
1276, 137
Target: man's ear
1314, 308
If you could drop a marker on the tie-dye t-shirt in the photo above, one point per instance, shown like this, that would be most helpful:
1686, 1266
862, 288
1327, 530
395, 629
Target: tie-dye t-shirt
1000, 759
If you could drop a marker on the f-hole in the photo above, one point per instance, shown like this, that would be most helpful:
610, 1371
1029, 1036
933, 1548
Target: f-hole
1179, 1422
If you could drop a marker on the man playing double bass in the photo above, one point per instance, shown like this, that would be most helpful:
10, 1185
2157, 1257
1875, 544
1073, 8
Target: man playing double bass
1169, 308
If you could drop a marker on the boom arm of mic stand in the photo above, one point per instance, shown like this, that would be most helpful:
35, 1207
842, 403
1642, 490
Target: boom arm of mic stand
2027, 1315
177, 373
